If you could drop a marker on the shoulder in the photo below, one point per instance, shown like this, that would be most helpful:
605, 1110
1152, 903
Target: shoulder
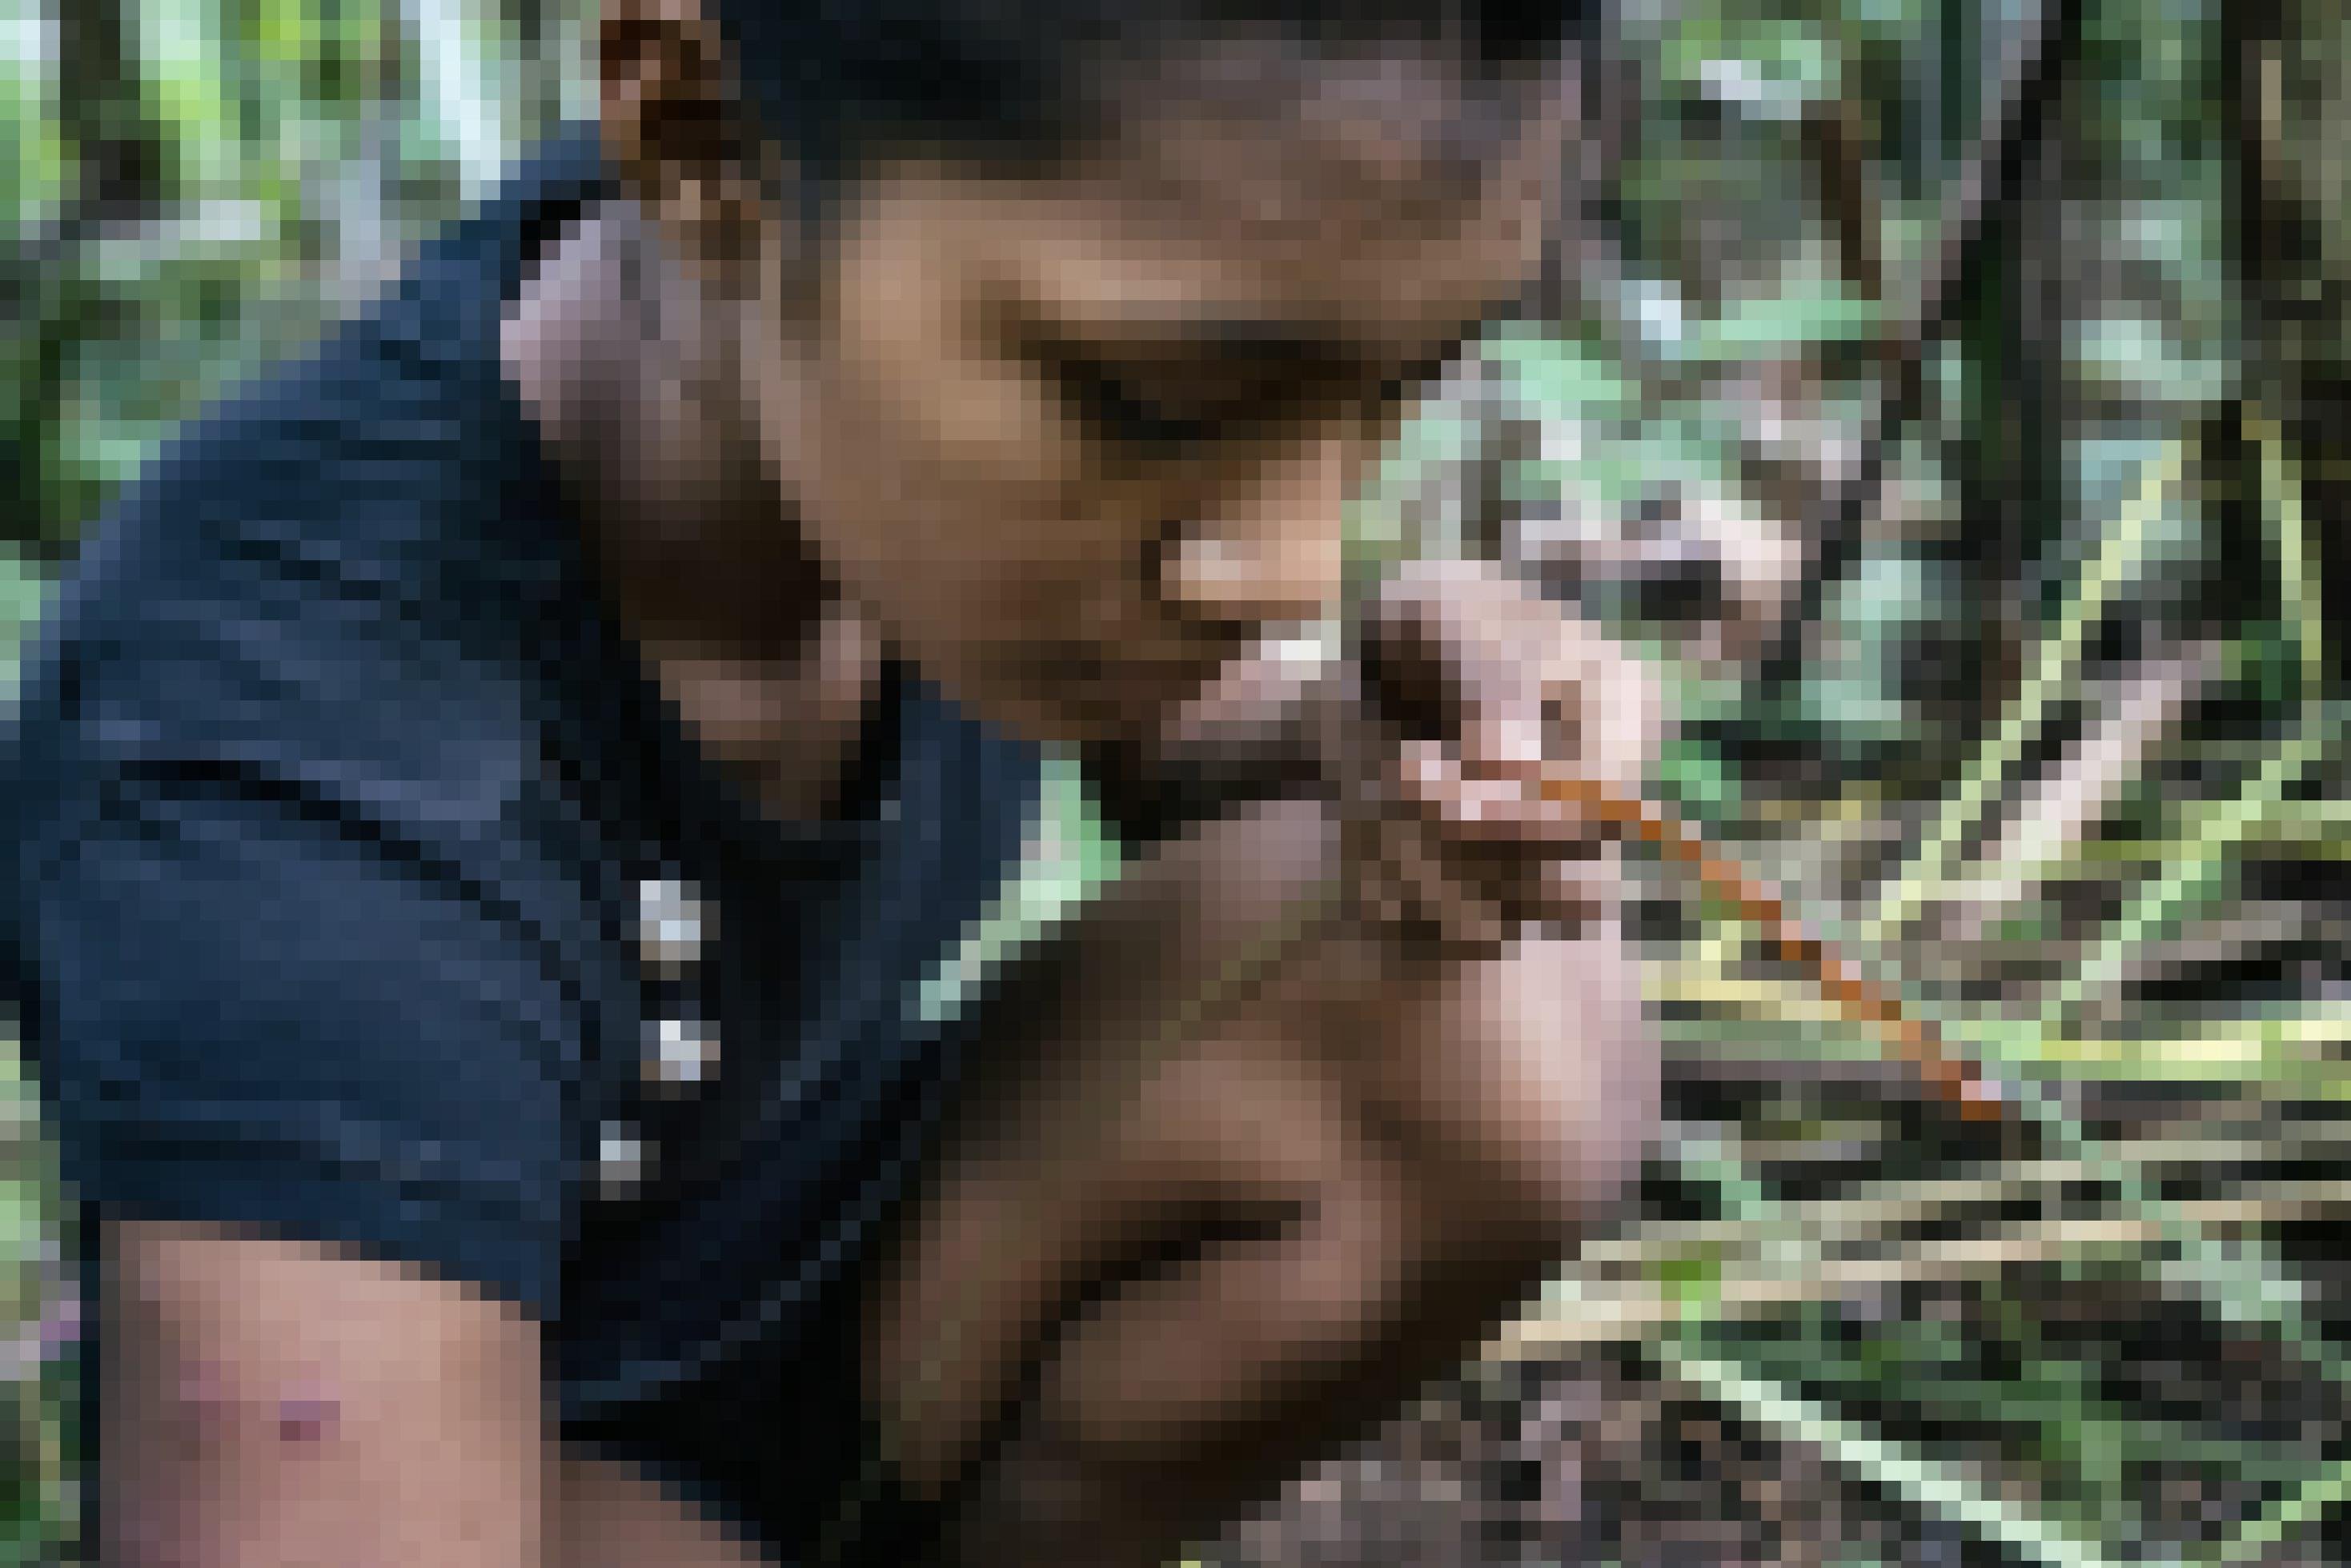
381, 460
342, 547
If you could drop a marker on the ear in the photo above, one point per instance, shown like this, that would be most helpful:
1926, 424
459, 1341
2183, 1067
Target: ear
676, 131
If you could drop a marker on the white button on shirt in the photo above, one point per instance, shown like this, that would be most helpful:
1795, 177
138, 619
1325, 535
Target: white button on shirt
673, 924
620, 1159
679, 1054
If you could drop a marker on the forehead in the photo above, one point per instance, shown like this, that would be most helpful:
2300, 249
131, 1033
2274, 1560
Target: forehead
1382, 200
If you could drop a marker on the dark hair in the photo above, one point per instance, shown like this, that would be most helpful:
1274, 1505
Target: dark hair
841, 83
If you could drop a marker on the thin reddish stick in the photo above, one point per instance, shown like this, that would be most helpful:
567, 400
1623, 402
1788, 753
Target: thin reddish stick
1949, 1075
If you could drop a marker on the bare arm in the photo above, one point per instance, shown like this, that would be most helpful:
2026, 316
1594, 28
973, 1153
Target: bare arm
269, 1404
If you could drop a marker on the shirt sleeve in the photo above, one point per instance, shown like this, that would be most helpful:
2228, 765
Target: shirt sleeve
295, 946
257, 1011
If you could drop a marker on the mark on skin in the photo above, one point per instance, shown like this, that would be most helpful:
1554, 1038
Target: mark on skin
307, 1413
306, 1417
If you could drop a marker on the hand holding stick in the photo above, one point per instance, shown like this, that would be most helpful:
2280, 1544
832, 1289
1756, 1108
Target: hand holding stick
1468, 841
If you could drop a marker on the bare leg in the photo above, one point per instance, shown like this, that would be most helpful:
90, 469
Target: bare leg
609, 1514
1170, 1401
1178, 1401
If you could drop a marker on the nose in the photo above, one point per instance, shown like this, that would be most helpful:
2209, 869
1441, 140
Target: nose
1271, 551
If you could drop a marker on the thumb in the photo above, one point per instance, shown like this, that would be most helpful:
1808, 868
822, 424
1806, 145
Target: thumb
1505, 733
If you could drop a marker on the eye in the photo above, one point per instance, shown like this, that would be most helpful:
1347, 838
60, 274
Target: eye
1114, 409
1392, 404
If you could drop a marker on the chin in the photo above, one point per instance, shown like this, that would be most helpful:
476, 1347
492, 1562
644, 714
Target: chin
1080, 720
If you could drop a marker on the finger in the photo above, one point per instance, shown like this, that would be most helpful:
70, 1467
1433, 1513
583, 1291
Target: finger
1463, 649
1485, 807
1515, 733
1487, 889
1445, 641
1510, 872
1567, 885
1419, 894
1576, 892
1606, 707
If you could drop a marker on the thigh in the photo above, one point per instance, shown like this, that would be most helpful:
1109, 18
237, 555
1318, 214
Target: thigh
613, 1512
619, 1506
772, 1457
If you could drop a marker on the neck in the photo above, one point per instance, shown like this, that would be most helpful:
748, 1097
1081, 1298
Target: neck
634, 377
624, 366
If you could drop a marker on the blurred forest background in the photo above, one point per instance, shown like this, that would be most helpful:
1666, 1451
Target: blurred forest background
2034, 312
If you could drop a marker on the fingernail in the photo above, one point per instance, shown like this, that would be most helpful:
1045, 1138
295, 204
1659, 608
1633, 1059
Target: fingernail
1516, 741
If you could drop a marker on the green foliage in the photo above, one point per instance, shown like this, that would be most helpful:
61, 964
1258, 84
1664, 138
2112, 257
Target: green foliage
296, 148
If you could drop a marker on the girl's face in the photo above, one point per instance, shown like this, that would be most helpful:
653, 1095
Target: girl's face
1076, 439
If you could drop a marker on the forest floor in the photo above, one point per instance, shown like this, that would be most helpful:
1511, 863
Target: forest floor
2049, 1386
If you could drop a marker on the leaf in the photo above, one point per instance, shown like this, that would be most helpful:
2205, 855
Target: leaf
2054, 664
1785, 325
1558, 375
1699, 780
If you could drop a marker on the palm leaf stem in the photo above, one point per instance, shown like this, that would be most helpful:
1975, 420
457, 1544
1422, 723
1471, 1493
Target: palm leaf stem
2304, 1505
1924, 1481
1581, 1310
2158, 904
2275, 1049
2236, 1280
2056, 659
1841, 1226
2297, 562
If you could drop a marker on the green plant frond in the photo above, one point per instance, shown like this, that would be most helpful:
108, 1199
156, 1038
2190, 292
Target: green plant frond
2304, 1506
1071, 857
2279, 1051
2196, 874
1879, 1232
1807, 317
2307, 828
2055, 661
2293, 541
1918, 1477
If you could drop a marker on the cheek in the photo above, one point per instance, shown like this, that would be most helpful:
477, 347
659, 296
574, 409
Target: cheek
883, 504
968, 553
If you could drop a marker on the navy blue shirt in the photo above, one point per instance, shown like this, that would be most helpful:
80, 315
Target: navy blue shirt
336, 789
